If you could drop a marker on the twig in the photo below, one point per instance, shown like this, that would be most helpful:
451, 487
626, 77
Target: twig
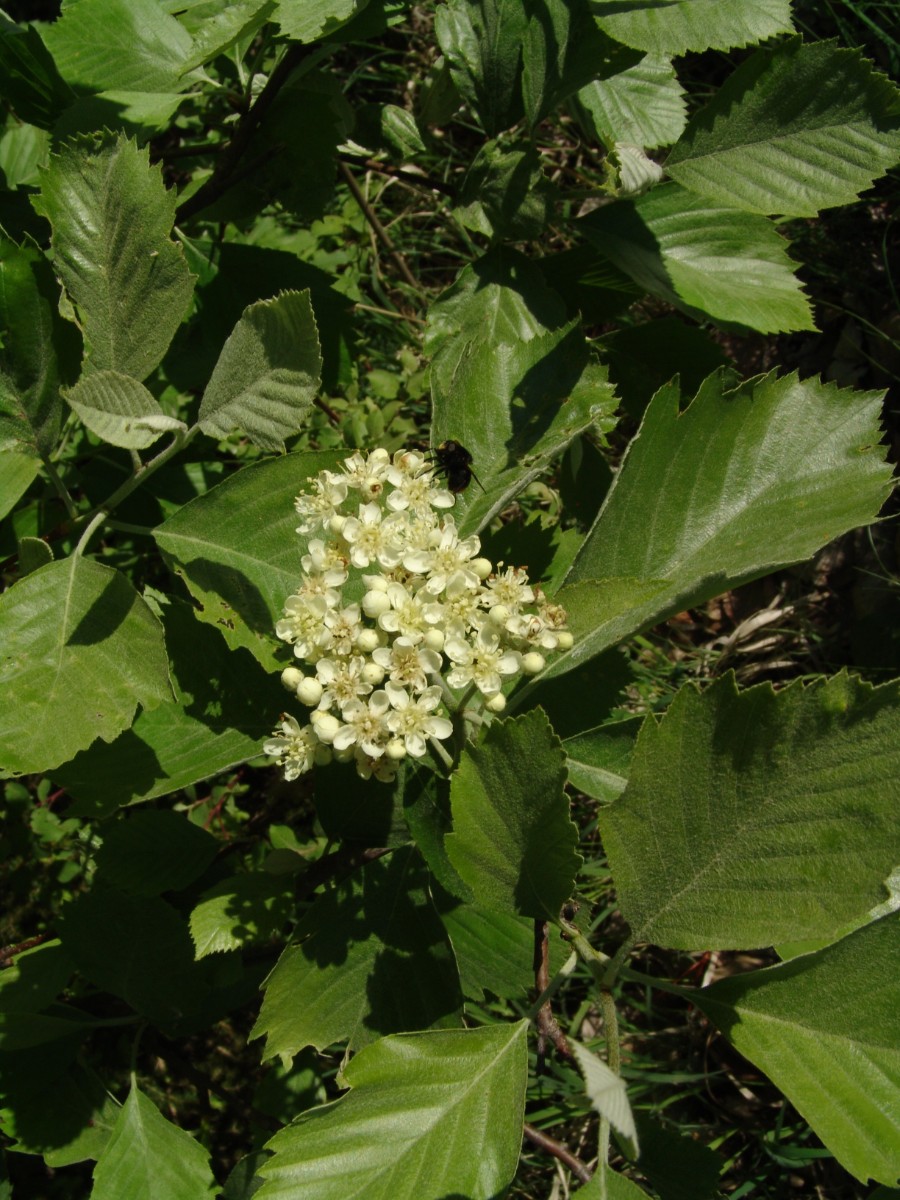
379, 230
579, 1169
422, 181
8, 953
547, 1025
222, 176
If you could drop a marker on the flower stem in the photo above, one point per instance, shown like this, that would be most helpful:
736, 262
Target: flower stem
441, 753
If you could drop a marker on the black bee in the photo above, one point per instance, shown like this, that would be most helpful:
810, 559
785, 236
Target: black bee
454, 462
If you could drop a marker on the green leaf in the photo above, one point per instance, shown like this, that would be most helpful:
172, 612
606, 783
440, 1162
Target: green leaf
510, 379
111, 217
23, 148
74, 629
796, 129
120, 410
138, 114
607, 1093
429, 1115
718, 825
221, 712
599, 762
31, 83
238, 552
310, 20
695, 501
267, 375
215, 26
826, 1029
240, 910
17, 472
38, 351
149, 853
705, 258
562, 50
34, 978
675, 1165
395, 969
481, 41
612, 1186
513, 842
643, 105
677, 26
147, 1157
66, 1119
505, 193
127, 45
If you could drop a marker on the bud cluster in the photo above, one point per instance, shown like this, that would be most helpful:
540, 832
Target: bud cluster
394, 614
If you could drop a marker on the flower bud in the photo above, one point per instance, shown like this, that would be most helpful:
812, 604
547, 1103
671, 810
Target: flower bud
372, 673
482, 567
345, 755
499, 614
433, 640
367, 640
395, 750
375, 603
375, 583
324, 755
309, 691
533, 663
325, 725
291, 677
337, 522
496, 703
564, 640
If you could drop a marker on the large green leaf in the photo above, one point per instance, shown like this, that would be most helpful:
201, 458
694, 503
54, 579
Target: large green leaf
732, 487
754, 817
267, 375
112, 217
826, 1029
65, 1116
371, 958
127, 45
215, 26
505, 193
38, 350
513, 843
148, 853
677, 26
642, 105
241, 909
481, 41
430, 1115
796, 129
510, 379
17, 472
707, 258
225, 704
238, 552
74, 629
146, 1157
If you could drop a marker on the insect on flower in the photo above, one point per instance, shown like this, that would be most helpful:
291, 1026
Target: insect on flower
454, 462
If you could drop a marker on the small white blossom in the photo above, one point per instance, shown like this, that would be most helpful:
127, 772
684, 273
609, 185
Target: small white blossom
409, 615
408, 663
482, 663
316, 508
414, 720
364, 725
295, 747
341, 681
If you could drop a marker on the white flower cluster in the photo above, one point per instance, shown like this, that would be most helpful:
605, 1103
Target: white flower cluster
394, 612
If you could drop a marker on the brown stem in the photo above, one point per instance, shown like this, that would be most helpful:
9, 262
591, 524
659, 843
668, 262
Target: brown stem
422, 181
8, 953
379, 230
547, 1025
221, 178
579, 1169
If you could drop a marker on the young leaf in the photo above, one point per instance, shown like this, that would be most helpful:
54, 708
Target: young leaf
222, 711
148, 853
112, 217
120, 410
39, 351
796, 129
707, 259
267, 375
505, 193
643, 105
510, 379
610, 1186
826, 1029
215, 27
693, 507
32, 86
493, 950
127, 45
677, 26
74, 629
394, 971
607, 1093
17, 472
241, 909
513, 842
237, 549
737, 800
33, 553
147, 1157
429, 1115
